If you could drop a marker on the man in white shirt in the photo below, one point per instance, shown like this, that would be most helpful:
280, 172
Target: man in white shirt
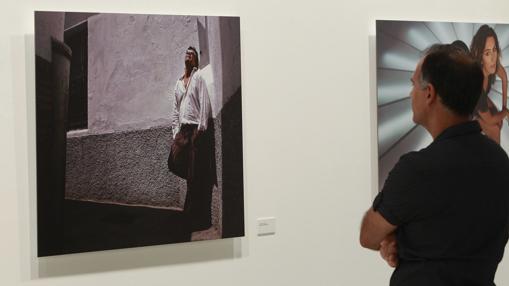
192, 155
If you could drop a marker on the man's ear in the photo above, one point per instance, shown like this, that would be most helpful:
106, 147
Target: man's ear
432, 93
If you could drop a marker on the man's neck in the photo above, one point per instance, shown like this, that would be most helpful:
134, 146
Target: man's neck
441, 122
188, 71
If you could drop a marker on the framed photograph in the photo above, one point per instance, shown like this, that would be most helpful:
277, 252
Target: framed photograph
399, 46
139, 130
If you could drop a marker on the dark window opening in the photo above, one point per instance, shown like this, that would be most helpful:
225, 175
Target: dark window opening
77, 39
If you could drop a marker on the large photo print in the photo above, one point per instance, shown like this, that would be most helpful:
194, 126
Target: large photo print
399, 46
139, 130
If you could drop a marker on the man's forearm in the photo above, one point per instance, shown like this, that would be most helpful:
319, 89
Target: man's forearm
374, 229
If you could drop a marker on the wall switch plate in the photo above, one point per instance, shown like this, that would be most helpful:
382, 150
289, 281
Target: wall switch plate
266, 226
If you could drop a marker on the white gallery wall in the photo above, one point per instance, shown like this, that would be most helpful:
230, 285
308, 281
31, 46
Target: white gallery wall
309, 146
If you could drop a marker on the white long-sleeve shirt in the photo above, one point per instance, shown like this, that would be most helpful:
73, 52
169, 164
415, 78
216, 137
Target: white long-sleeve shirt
193, 106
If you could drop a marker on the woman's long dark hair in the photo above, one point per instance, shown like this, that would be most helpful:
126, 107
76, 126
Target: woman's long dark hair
477, 49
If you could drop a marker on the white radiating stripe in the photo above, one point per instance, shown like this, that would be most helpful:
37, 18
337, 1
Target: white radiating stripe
504, 136
502, 35
496, 98
476, 27
418, 39
394, 121
464, 32
505, 59
395, 54
393, 85
398, 61
390, 93
443, 31
497, 85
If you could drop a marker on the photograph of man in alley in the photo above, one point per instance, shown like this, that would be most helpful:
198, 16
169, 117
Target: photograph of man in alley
139, 130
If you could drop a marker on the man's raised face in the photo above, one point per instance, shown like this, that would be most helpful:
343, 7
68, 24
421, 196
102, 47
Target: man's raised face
190, 58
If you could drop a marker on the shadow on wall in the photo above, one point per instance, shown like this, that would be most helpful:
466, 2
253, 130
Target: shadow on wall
232, 169
231, 128
52, 89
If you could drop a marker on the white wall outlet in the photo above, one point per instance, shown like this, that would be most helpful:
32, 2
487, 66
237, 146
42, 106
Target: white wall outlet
266, 226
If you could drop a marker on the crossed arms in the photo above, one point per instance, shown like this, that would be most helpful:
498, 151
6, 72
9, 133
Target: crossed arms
378, 234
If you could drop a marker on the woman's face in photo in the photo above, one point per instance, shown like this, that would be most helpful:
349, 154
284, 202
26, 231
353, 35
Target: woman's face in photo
489, 56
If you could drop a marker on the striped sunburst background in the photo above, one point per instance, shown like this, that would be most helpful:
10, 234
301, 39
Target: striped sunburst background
399, 46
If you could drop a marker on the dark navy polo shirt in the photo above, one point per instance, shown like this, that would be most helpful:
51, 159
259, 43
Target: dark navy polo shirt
450, 202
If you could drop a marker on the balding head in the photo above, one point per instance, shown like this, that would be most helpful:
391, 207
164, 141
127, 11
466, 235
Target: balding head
456, 78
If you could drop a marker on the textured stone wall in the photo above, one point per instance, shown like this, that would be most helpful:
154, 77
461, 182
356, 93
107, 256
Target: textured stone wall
130, 168
124, 167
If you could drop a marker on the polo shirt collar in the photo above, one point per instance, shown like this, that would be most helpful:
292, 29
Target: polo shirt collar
461, 129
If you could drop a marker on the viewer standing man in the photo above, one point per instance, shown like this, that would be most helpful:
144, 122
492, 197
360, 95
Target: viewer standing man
192, 154
442, 216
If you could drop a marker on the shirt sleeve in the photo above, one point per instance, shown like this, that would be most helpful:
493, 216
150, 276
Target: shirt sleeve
175, 124
399, 201
205, 107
